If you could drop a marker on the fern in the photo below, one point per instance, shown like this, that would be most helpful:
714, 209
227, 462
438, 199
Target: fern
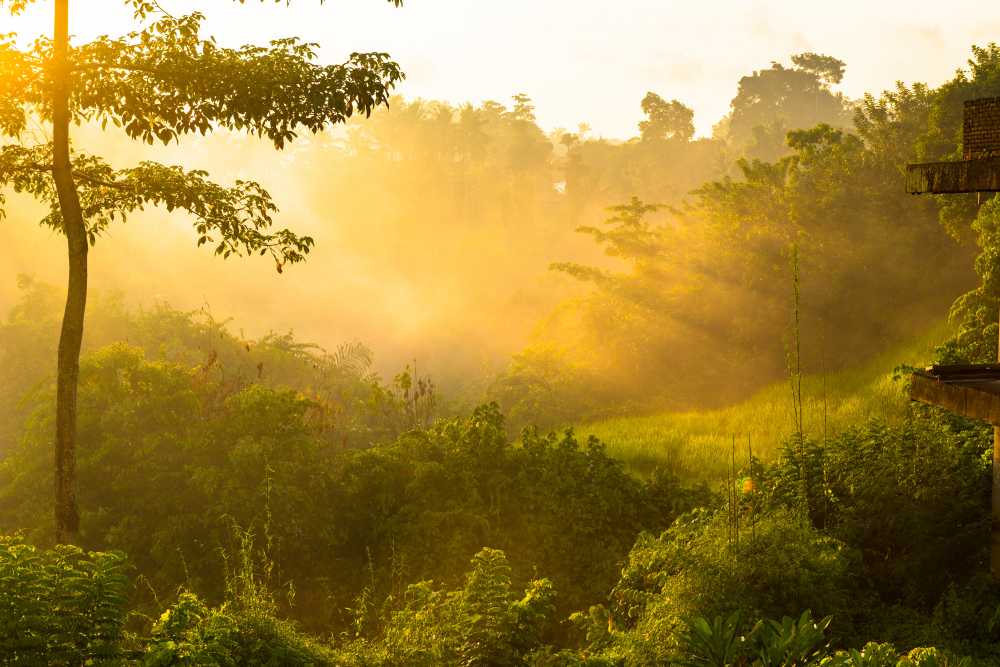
62, 606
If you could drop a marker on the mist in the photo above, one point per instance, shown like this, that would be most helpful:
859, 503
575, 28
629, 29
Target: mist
404, 262
448, 238
316, 364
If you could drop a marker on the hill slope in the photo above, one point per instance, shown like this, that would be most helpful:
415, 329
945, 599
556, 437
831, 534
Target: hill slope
697, 445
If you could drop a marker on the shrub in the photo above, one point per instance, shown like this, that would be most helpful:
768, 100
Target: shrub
722, 642
802, 642
968, 616
169, 455
244, 630
61, 606
484, 623
189, 633
695, 570
912, 498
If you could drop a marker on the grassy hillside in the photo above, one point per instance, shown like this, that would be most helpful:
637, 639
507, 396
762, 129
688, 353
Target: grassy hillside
697, 445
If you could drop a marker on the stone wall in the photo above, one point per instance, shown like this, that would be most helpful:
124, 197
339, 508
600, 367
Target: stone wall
981, 129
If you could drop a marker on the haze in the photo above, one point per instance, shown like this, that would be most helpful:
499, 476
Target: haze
580, 60
580, 63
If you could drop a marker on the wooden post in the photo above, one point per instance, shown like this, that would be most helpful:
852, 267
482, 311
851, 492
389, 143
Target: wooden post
995, 527
995, 540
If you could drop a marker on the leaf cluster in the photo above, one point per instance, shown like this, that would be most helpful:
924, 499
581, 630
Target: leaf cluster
485, 622
166, 80
235, 219
62, 606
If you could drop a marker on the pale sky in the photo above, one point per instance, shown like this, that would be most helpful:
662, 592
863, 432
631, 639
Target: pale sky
592, 61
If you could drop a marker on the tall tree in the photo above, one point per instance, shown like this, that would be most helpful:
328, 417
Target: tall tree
160, 82
772, 102
826, 68
665, 120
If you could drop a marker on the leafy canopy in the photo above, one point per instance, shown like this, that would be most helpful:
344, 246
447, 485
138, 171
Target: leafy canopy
166, 80
666, 120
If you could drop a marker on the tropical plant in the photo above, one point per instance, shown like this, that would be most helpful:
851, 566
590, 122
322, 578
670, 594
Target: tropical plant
790, 641
61, 607
717, 643
486, 622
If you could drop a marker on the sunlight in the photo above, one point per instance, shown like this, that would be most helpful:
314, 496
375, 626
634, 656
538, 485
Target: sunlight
440, 332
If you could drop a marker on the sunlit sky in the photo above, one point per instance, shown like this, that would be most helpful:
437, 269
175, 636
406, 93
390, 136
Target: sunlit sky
592, 61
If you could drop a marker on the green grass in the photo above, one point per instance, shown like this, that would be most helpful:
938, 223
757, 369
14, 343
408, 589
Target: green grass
697, 445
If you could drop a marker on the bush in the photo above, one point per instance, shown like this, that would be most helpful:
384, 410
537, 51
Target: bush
968, 616
61, 606
189, 633
484, 623
912, 498
801, 642
694, 570
770, 643
244, 630
168, 456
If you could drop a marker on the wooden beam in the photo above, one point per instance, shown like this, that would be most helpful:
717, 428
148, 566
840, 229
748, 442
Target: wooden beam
966, 400
965, 373
954, 177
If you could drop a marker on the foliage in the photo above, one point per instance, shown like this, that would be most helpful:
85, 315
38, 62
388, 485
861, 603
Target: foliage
896, 549
697, 444
61, 607
352, 406
975, 312
665, 120
666, 162
471, 186
697, 568
968, 613
715, 643
234, 219
166, 80
190, 633
482, 623
244, 630
193, 431
563, 507
359, 489
163, 81
769, 643
410, 507
792, 641
909, 497
771, 102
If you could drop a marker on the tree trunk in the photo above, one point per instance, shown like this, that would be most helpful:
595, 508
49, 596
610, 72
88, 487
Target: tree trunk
70, 339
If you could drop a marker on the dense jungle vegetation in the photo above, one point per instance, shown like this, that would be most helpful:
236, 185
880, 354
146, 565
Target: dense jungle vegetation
261, 500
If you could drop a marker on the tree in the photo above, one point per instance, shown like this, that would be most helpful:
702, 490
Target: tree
826, 68
160, 82
665, 120
772, 102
